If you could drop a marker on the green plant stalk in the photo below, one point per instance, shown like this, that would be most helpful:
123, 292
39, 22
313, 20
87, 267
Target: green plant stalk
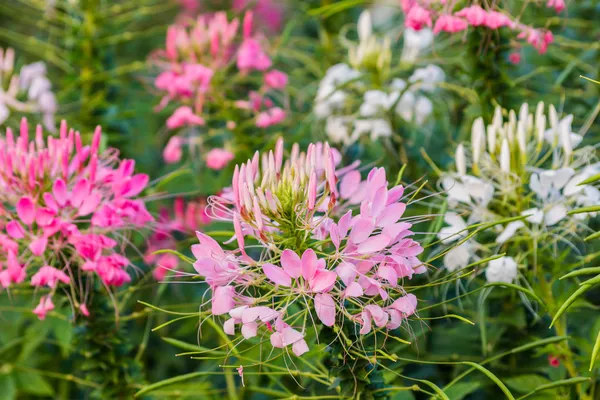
560, 326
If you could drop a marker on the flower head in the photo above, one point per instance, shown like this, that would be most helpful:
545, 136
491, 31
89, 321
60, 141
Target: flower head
62, 204
318, 258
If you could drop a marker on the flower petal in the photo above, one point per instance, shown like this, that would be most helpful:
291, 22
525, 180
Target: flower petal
277, 275
325, 308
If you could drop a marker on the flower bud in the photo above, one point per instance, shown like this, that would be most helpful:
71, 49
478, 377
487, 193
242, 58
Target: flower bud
478, 139
461, 163
491, 139
505, 157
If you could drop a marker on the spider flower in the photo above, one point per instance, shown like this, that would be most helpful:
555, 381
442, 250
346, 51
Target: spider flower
527, 166
446, 18
215, 67
64, 210
334, 248
353, 103
25, 91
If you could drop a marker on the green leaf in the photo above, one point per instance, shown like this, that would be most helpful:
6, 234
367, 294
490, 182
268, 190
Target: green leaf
553, 385
595, 351
570, 301
526, 383
462, 389
33, 383
583, 271
493, 377
8, 388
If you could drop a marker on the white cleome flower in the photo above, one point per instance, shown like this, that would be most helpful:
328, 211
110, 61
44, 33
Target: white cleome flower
428, 77
460, 256
503, 269
456, 231
415, 42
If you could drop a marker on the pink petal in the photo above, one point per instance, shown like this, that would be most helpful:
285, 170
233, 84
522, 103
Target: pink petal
353, 290
406, 305
374, 244
379, 201
59, 190
309, 264
344, 224
362, 229
300, 347
366, 327
26, 210
391, 214
291, 336
388, 273
277, 340
325, 308
379, 315
137, 183
90, 203
349, 184
222, 301
323, 281
44, 216
15, 230
277, 275
346, 272
291, 263
229, 326
250, 330
395, 194
38, 246
80, 192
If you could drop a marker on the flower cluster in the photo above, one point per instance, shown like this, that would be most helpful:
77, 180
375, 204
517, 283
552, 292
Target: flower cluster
318, 259
527, 166
186, 218
26, 91
210, 69
345, 120
64, 210
444, 18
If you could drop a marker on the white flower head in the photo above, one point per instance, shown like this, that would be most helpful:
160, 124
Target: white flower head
503, 269
456, 229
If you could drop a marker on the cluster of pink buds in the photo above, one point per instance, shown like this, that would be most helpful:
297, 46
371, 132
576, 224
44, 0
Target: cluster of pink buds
186, 218
333, 248
64, 208
443, 18
209, 66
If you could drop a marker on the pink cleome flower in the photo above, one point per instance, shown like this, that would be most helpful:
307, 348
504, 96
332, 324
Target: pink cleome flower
60, 204
301, 212
422, 13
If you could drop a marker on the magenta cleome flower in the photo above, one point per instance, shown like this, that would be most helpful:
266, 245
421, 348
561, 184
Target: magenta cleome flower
63, 207
334, 248
443, 16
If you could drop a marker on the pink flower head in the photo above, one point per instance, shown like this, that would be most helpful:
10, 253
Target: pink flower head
61, 200
346, 253
184, 116
475, 15
417, 18
515, 57
449, 23
558, 5
495, 20
276, 79
218, 158
252, 56
270, 117
44, 307
49, 276
172, 153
